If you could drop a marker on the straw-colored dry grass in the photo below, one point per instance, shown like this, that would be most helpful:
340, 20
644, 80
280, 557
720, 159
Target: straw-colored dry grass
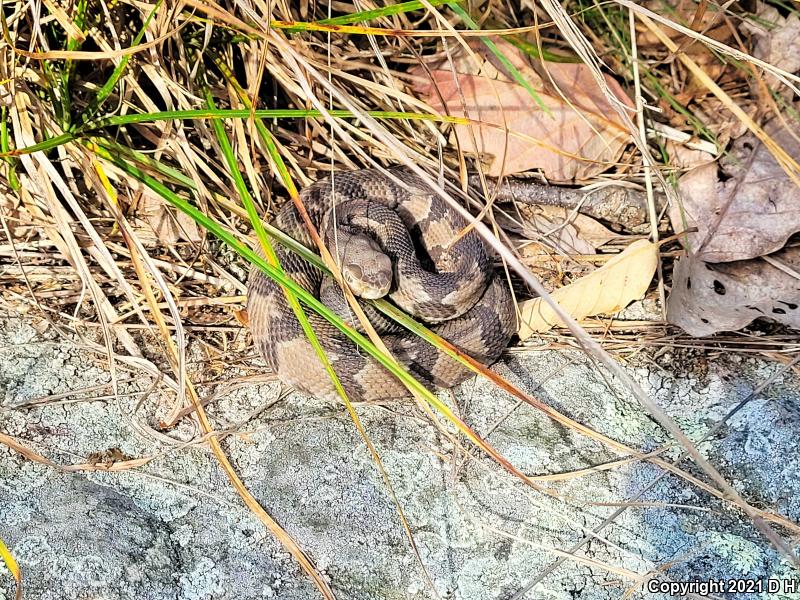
130, 106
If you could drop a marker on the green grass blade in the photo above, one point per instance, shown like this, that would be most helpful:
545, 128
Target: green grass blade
270, 113
13, 180
263, 132
298, 26
699, 128
212, 114
68, 69
144, 159
546, 55
405, 320
177, 177
48, 144
385, 11
118, 71
269, 251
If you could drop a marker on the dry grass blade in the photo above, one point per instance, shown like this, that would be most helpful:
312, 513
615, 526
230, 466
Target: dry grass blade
648, 172
65, 21
13, 567
87, 467
96, 55
788, 163
280, 534
643, 11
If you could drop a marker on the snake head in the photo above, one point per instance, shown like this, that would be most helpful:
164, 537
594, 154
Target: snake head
365, 268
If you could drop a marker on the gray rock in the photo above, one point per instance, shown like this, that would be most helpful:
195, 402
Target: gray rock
76, 539
174, 528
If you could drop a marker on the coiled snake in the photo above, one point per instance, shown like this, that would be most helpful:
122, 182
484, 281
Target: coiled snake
403, 241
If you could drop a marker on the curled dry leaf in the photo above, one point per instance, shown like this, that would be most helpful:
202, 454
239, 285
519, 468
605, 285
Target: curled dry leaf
683, 157
777, 39
567, 231
168, 225
609, 289
580, 137
707, 298
752, 213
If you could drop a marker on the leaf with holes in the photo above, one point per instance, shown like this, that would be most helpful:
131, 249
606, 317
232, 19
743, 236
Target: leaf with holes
707, 298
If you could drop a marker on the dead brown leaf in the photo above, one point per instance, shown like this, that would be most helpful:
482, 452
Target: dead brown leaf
684, 157
707, 298
751, 213
166, 224
567, 231
777, 40
609, 289
580, 137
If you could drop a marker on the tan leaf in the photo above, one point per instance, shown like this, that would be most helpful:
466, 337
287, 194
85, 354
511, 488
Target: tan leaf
707, 298
581, 137
609, 289
753, 212
777, 40
242, 317
683, 157
168, 224
567, 231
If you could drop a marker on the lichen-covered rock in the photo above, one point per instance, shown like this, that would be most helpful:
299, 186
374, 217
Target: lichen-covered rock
175, 529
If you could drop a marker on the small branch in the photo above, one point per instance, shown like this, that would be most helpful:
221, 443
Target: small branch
615, 204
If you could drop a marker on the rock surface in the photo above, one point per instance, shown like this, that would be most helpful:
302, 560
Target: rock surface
174, 528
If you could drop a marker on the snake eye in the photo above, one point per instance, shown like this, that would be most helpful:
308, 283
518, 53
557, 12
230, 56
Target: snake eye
355, 273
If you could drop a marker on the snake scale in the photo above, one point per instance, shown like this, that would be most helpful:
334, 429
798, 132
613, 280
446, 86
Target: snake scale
402, 241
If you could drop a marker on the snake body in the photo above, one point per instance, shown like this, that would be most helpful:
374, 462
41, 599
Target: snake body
401, 240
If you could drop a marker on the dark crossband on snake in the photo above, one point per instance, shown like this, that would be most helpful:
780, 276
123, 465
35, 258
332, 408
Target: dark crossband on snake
402, 242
